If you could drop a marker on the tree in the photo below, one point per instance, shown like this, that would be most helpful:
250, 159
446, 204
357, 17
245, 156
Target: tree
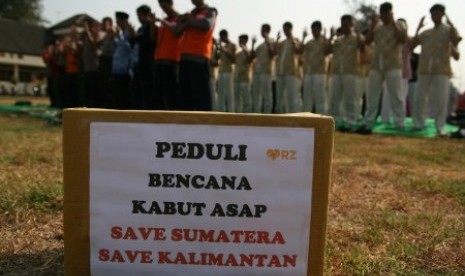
362, 12
29, 11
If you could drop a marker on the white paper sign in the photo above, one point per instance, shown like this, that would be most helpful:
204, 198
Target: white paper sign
170, 199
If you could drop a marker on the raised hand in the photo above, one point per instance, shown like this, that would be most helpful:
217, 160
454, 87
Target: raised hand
151, 18
448, 21
131, 30
391, 18
374, 21
278, 37
332, 33
357, 29
304, 34
421, 24
118, 31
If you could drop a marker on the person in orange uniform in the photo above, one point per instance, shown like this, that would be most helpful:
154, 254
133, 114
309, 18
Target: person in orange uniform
194, 72
167, 57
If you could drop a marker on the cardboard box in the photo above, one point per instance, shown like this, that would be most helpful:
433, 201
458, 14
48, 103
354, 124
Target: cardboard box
258, 148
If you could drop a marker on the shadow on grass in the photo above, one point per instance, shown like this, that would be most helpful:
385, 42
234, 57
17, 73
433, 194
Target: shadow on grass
49, 262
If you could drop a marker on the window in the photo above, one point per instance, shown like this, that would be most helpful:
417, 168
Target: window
6, 73
25, 76
29, 74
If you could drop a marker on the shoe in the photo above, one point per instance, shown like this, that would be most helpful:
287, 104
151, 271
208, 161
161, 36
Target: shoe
457, 135
344, 129
363, 130
56, 121
457, 118
418, 128
441, 133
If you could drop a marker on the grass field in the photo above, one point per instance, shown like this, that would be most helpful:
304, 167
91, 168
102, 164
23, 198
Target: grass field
397, 205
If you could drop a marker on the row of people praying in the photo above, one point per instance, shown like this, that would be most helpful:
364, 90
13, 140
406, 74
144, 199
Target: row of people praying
162, 65
175, 63
331, 75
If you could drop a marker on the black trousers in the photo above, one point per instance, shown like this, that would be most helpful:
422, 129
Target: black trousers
94, 96
105, 82
61, 87
142, 88
166, 85
71, 93
194, 82
121, 92
52, 91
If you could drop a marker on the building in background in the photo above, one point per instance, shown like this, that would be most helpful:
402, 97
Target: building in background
64, 27
22, 70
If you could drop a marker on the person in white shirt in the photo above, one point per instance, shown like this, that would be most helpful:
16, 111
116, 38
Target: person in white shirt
314, 62
242, 77
437, 45
225, 73
346, 51
262, 97
287, 72
388, 37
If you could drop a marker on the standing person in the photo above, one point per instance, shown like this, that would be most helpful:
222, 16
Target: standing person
243, 61
48, 56
434, 68
413, 82
287, 71
329, 70
406, 76
346, 55
215, 57
167, 55
225, 73
362, 79
60, 56
314, 62
72, 49
90, 62
105, 63
145, 43
194, 72
122, 65
388, 38
262, 97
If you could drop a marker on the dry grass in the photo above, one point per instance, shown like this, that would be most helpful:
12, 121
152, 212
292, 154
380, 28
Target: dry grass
31, 198
397, 205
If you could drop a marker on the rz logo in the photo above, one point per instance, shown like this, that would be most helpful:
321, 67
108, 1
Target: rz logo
277, 154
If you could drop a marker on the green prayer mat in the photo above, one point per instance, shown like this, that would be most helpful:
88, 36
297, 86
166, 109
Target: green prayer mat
389, 129
36, 111
428, 132
47, 113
